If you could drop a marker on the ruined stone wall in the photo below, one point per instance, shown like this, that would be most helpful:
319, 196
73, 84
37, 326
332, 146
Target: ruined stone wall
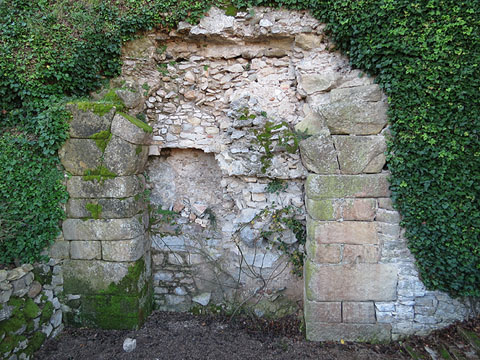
230, 100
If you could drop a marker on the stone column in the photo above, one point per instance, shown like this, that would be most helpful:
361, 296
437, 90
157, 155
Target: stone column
107, 278
343, 274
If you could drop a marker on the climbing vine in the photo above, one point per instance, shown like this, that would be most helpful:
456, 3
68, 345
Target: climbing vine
425, 55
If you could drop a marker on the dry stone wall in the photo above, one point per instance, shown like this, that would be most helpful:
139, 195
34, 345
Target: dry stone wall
254, 119
30, 309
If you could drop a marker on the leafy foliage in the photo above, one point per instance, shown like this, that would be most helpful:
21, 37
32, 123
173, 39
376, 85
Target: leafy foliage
424, 53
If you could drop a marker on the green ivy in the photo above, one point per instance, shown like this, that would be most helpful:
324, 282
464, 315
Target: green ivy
425, 55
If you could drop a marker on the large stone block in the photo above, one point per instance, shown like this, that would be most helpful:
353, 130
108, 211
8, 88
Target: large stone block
103, 229
312, 124
324, 253
85, 250
319, 155
91, 276
60, 249
320, 82
360, 110
118, 187
79, 155
348, 332
359, 209
325, 209
323, 312
361, 254
123, 250
124, 158
341, 186
352, 282
109, 208
360, 154
358, 312
84, 124
308, 41
345, 232
129, 130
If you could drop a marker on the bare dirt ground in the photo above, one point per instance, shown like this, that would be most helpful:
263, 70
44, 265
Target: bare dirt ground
185, 336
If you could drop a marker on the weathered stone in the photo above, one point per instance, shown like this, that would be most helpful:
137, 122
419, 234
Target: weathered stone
79, 155
324, 253
56, 319
129, 345
20, 287
385, 203
361, 254
388, 216
131, 98
202, 299
141, 48
322, 209
360, 186
319, 82
312, 124
104, 229
91, 276
5, 313
128, 131
35, 289
3, 275
319, 155
110, 208
118, 187
348, 332
323, 312
356, 111
345, 232
124, 158
123, 250
359, 209
16, 274
360, 154
5, 295
214, 24
85, 250
60, 249
308, 41
358, 312
84, 124
354, 282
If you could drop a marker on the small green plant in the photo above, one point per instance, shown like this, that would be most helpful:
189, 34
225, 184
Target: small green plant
102, 139
162, 69
95, 210
273, 135
276, 186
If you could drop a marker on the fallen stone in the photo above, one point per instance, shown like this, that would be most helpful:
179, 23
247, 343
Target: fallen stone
202, 299
129, 345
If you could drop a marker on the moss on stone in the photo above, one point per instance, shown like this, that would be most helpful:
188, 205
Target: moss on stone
98, 108
47, 312
138, 149
100, 174
42, 278
35, 342
102, 139
112, 97
138, 123
94, 209
31, 309
10, 342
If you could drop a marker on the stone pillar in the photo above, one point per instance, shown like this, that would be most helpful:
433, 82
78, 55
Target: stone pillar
107, 278
345, 155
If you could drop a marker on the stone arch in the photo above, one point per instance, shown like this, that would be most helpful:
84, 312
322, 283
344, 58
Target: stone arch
205, 89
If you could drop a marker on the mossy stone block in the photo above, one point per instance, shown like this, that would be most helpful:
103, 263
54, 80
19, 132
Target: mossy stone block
86, 123
79, 155
124, 158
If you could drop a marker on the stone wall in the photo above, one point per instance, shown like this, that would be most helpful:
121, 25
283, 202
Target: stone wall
30, 309
229, 100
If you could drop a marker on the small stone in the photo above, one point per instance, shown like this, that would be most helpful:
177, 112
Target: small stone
34, 290
202, 299
265, 23
129, 345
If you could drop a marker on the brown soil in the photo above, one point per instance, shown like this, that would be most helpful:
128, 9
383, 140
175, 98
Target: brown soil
185, 336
